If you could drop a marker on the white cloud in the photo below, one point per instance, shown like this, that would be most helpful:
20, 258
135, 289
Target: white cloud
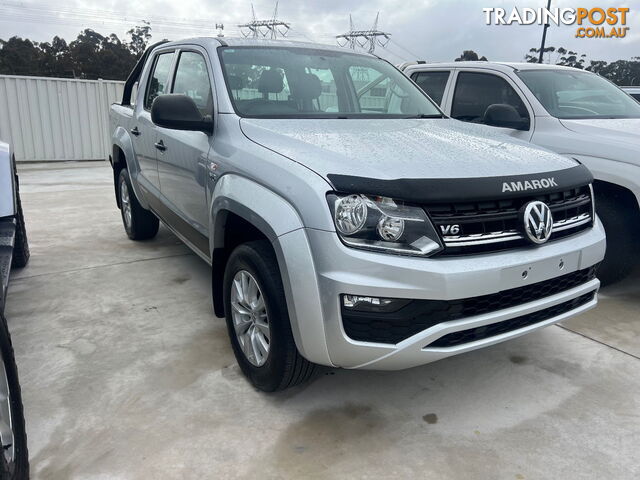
430, 29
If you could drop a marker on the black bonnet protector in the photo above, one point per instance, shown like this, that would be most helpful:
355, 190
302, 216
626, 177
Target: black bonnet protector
441, 190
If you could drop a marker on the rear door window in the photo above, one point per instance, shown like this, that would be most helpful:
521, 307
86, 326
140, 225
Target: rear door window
159, 79
433, 84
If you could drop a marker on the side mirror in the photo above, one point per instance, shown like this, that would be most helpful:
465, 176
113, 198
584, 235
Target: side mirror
506, 116
179, 112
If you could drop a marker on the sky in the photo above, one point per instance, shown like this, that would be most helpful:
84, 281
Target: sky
432, 30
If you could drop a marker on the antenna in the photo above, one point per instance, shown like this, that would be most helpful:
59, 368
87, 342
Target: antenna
271, 28
367, 39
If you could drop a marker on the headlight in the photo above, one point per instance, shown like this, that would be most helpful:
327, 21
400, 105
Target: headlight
384, 224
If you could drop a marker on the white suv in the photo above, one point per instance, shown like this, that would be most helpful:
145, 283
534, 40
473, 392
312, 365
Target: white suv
572, 112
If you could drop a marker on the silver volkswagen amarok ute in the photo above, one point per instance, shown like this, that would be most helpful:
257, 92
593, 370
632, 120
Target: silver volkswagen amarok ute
348, 222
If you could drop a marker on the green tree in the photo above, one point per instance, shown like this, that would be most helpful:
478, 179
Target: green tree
620, 72
470, 56
116, 58
55, 58
91, 55
534, 54
140, 36
19, 57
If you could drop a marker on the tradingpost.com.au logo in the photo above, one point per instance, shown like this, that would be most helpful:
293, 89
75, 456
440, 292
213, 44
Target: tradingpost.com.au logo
592, 22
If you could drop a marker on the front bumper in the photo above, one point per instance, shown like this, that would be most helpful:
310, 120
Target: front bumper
342, 270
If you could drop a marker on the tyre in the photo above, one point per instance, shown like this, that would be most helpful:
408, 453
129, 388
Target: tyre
139, 223
14, 457
619, 224
258, 320
21, 252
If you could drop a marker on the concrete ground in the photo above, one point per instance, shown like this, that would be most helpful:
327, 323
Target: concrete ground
126, 373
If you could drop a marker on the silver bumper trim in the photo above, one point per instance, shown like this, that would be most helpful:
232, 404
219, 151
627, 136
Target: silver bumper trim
412, 351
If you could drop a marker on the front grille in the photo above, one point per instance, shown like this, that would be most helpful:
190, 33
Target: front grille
480, 333
483, 227
418, 315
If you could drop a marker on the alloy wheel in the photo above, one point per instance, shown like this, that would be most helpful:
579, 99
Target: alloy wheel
125, 203
6, 422
250, 321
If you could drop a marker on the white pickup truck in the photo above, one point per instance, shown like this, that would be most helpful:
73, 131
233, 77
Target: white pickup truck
633, 91
572, 112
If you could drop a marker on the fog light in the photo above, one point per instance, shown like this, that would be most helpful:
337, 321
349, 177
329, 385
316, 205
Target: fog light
352, 301
373, 304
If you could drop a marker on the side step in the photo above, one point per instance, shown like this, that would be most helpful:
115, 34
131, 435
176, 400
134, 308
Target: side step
7, 239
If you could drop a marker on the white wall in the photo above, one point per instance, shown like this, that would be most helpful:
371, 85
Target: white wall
57, 118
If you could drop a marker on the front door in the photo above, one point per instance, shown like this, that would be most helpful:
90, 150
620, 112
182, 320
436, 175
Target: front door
476, 91
433, 83
182, 161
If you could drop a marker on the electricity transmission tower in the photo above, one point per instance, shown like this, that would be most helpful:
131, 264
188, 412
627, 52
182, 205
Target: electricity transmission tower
265, 28
367, 39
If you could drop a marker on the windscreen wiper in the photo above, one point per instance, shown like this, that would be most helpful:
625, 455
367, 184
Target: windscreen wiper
426, 115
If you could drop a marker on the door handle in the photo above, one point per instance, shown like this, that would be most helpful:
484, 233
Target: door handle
160, 146
135, 131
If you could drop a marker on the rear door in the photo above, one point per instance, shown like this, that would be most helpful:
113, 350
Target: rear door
182, 157
143, 131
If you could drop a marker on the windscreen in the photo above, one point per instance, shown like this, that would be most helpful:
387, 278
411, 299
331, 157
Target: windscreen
281, 82
568, 94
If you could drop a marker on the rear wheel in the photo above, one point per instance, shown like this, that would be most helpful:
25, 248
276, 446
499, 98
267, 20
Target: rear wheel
139, 223
622, 232
258, 320
14, 458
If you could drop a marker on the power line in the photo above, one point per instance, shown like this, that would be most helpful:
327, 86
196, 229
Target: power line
14, 12
364, 38
158, 31
296, 31
46, 10
71, 22
402, 58
412, 55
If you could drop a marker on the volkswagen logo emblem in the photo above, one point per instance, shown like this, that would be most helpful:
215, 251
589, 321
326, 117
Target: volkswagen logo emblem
538, 222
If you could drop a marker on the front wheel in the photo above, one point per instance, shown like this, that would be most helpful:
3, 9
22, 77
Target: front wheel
14, 458
621, 256
258, 320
